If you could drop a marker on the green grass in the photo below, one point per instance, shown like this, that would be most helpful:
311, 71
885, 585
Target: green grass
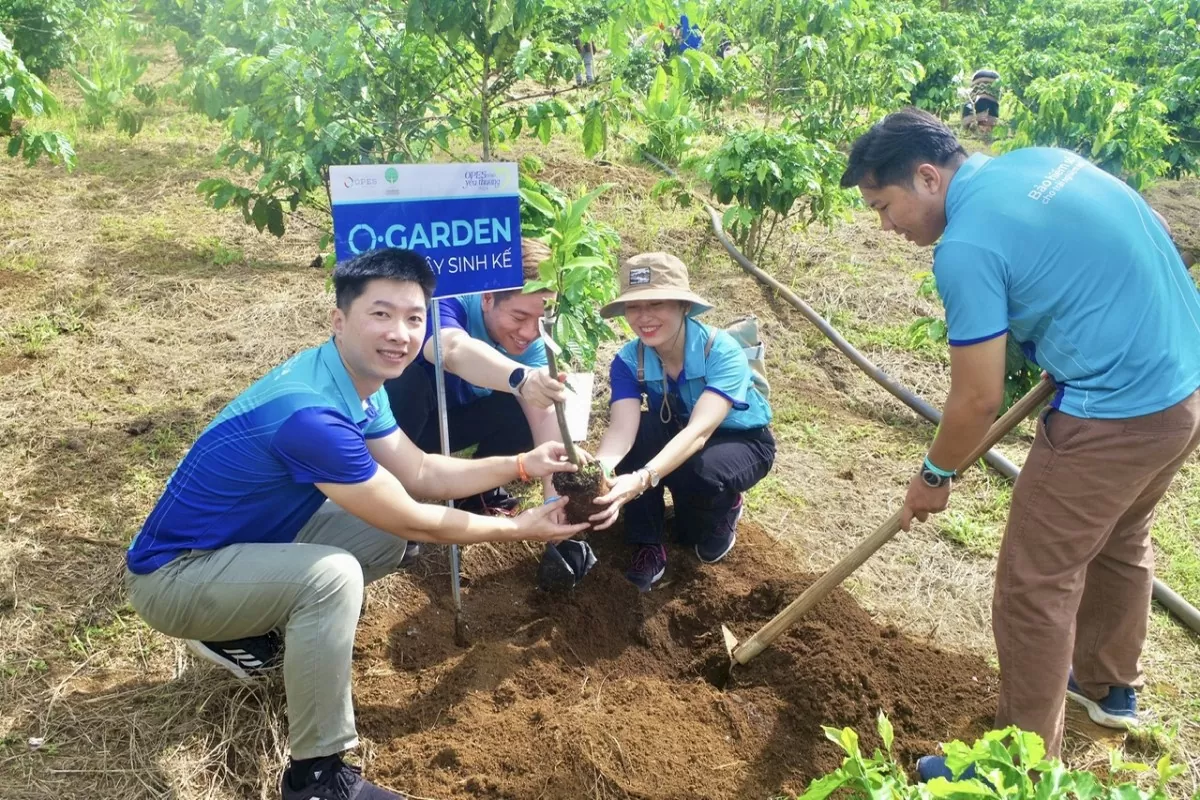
1175, 531
771, 491
20, 263
976, 517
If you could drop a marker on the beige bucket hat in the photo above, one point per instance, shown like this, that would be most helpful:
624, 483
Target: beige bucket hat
654, 276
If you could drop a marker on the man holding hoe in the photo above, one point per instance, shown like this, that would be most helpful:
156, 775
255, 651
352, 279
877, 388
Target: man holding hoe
1041, 245
300, 492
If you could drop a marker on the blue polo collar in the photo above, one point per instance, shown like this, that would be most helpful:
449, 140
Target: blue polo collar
695, 337
958, 184
352, 403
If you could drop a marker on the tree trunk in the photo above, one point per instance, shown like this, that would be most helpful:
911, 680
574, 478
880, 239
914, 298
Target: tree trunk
560, 412
485, 130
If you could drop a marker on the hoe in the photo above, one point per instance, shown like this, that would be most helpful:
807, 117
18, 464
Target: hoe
742, 652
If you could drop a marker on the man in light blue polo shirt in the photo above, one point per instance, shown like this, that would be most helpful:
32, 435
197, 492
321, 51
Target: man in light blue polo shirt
499, 395
1042, 246
299, 493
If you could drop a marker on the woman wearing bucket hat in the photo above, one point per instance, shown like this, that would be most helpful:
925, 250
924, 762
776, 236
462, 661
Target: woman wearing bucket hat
704, 435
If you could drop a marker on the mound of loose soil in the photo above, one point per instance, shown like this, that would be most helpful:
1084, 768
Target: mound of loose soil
580, 488
602, 692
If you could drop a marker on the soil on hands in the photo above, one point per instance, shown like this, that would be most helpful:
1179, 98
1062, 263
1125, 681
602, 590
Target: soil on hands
580, 488
604, 692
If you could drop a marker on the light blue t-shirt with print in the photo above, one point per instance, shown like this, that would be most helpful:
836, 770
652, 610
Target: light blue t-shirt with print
250, 477
725, 371
1072, 263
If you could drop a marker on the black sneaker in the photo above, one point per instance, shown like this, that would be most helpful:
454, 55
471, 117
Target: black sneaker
718, 544
246, 658
332, 779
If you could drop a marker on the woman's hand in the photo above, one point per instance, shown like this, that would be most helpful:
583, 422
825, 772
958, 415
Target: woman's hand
620, 491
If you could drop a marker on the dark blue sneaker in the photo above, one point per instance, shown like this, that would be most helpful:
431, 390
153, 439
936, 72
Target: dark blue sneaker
649, 564
330, 778
1118, 710
718, 544
930, 767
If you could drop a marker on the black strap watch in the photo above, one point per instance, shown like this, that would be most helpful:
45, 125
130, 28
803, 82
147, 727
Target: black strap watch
516, 378
933, 480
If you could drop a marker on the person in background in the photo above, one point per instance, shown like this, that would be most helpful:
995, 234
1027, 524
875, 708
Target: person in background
705, 435
499, 395
982, 109
687, 37
587, 52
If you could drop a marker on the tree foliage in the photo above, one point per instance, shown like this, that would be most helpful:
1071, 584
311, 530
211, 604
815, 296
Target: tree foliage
581, 268
774, 177
23, 97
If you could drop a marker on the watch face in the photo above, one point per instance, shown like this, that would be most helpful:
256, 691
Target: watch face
932, 479
514, 379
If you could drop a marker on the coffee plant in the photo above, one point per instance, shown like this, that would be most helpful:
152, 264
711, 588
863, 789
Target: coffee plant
23, 98
1010, 764
581, 269
774, 177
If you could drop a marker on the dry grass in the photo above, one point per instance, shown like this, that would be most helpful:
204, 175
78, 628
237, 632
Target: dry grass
132, 314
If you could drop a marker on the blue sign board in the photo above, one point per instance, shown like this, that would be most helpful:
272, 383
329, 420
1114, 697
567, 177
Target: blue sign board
464, 218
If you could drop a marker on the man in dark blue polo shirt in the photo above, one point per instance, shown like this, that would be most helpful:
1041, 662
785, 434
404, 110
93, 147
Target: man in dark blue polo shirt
299, 493
499, 395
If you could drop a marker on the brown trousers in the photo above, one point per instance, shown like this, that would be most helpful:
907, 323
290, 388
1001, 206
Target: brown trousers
1076, 565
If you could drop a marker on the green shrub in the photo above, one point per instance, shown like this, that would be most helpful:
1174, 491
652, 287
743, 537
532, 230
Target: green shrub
1013, 765
582, 266
774, 177
22, 98
1114, 123
636, 68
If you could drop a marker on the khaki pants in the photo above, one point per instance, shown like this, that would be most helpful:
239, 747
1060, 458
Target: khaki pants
1076, 566
311, 590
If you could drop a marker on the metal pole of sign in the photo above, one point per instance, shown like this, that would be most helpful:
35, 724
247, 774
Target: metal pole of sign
460, 626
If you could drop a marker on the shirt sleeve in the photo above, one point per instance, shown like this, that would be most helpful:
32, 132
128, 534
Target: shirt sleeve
972, 282
727, 371
384, 422
454, 315
319, 445
622, 380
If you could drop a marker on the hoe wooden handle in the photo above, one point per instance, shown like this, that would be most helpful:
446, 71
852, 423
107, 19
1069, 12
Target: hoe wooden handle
867, 547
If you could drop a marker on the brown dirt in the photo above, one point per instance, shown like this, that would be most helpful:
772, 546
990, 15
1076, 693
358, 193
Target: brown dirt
603, 692
580, 488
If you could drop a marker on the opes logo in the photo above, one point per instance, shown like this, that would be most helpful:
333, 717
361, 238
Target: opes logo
351, 182
480, 178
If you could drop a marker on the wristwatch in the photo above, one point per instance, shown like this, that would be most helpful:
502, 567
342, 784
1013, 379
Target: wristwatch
652, 476
934, 476
516, 378
932, 479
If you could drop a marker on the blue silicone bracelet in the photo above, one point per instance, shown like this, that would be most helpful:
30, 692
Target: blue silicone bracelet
936, 470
